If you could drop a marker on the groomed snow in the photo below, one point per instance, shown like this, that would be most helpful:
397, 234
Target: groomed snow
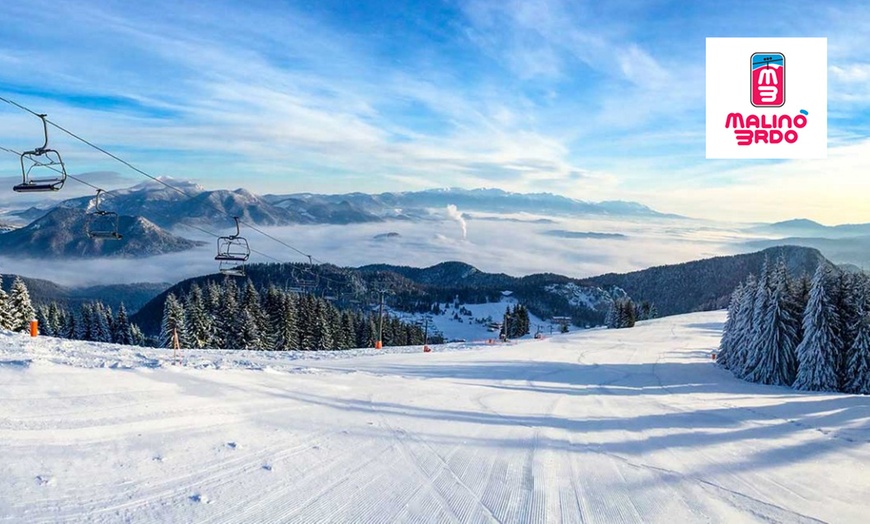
596, 426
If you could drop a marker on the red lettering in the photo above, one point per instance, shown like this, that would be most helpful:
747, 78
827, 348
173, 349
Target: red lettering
744, 137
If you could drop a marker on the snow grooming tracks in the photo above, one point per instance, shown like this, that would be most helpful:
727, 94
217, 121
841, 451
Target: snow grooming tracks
458, 505
316, 494
178, 488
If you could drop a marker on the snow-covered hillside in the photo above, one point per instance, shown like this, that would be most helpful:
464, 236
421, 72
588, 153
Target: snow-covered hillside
470, 322
595, 426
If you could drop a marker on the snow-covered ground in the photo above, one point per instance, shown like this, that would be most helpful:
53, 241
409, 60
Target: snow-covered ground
454, 325
595, 426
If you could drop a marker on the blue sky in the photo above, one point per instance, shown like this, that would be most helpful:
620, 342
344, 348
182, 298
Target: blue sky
594, 100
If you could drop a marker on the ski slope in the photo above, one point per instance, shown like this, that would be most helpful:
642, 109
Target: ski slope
632, 425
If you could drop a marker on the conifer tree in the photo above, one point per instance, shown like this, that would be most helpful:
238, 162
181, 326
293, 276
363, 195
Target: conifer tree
42, 319
199, 325
248, 334
71, 328
817, 354
228, 321
123, 334
759, 307
137, 335
84, 327
21, 310
347, 338
849, 304
859, 363
5, 309
287, 337
273, 310
173, 323
55, 320
307, 323
777, 338
100, 331
744, 327
729, 330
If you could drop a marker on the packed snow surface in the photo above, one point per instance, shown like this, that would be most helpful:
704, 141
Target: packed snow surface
597, 426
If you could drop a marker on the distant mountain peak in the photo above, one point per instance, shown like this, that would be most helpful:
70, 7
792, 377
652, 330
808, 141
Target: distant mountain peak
798, 222
162, 182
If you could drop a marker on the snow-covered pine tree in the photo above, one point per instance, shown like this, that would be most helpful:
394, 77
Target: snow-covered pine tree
777, 337
858, 370
123, 334
173, 322
322, 326
251, 302
84, 327
729, 330
20, 308
347, 338
272, 307
55, 320
199, 324
287, 337
137, 335
228, 319
849, 304
5, 313
42, 318
743, 327
100, 328
307, 322
365, 332
333, 318
71, 326
248, 335
611, 316
759, 307
817, 354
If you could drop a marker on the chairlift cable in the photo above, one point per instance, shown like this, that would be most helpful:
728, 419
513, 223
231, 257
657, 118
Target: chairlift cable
85, 182
144, 173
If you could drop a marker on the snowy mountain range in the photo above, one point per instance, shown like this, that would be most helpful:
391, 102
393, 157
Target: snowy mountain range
52, 229
187, 202
63, 232
411, 204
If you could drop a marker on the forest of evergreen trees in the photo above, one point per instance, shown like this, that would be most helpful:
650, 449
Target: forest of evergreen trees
232, 317
808, 334
516, 319
624, 313
93, 321
222, 316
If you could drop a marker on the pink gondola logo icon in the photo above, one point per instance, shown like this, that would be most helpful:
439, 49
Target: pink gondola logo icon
767, 79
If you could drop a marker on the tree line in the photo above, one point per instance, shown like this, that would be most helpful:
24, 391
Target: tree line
624, 313
809, 334
516, 321
230, 316
94, 322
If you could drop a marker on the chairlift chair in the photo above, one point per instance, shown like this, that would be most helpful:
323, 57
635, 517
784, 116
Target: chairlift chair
103, 224
35, 167
231, 268
232, 252
307, 279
